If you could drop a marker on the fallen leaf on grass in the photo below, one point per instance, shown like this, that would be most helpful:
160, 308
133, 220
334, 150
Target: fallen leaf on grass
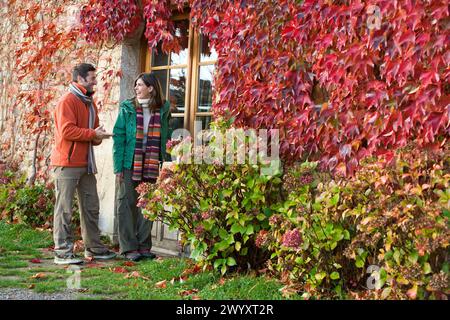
136, 274
185, 293
221, 281
39, 275
161, 284
159, 259
35, 260
31, 286
193, 270
118, 270
129, 264
181, 279
196, 298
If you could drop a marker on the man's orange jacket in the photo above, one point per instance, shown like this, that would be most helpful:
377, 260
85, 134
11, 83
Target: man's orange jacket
72, 133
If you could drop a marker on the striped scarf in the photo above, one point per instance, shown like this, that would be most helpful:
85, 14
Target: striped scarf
146, 164
92, 168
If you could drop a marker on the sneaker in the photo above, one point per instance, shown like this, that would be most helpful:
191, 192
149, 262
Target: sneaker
100, 256
146, 254
132, 255
68, 259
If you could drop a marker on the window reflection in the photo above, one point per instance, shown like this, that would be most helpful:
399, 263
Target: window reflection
182, 33
206, 53
178, 89
176, 122
205, 88
206, 120
161, 75
159, 58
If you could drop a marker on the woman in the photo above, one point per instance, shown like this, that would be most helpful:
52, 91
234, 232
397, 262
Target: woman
140, 136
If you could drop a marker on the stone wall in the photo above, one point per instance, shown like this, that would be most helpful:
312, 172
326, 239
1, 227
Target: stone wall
128, 57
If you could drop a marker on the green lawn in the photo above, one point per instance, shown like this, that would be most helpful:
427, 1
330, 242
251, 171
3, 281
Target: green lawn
157, 279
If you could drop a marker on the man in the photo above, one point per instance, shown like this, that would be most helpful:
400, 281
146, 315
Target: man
77, 130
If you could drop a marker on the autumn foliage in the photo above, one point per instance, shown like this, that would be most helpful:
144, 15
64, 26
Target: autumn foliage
105, 20
383, 65
342, 80
381, 234
40, 42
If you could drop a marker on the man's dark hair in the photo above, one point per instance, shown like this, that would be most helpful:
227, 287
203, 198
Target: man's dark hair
82, 70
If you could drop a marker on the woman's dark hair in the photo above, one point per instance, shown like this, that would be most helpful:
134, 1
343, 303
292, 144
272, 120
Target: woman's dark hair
150, 80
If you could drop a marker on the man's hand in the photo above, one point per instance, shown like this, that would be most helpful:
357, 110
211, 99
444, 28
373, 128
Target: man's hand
97, 141
100, 133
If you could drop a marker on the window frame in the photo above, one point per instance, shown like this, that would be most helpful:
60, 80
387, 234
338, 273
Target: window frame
192, 77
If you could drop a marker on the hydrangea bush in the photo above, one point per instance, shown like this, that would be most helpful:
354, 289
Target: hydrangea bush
382, 234
218, 207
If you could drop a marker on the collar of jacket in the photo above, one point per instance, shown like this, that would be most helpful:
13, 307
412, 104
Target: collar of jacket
128, 106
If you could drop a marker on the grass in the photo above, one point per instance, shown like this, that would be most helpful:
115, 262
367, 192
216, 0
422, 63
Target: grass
22, 239
19, 244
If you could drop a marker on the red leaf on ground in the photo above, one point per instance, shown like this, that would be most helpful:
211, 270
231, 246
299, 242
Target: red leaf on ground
187, 292
195, 269
196, 298
161, 284
118, 270
129, 264
39, 275
35, 260
136, 274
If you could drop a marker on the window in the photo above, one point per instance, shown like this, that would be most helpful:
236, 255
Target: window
187, 78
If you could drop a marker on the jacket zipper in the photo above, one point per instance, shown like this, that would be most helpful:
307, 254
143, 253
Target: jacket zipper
71, 150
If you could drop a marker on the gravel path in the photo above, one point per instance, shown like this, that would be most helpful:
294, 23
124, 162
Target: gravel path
24, 294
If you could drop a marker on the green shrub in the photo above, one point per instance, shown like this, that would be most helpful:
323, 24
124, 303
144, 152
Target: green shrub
32, 205
219, 208
9, 185
381, 234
